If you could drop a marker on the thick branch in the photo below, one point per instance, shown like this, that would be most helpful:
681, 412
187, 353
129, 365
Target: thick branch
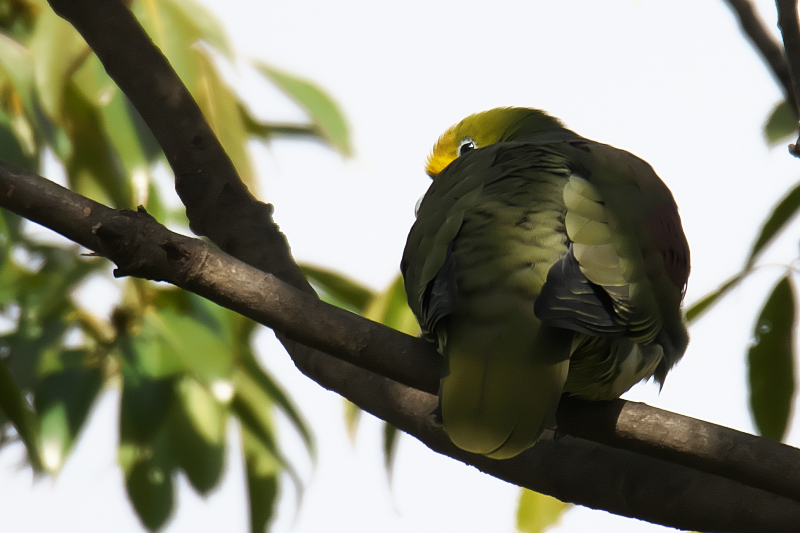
787, 22
771, 50
219, 206
622, 482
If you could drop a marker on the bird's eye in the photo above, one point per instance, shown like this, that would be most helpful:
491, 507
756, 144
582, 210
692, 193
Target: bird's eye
466, 145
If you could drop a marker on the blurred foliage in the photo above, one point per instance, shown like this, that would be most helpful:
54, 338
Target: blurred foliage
389, 307
772, 354
771, 361
781, 124
536, 512
184, 366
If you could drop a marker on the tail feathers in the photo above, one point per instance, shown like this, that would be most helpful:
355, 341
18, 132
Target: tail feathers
500, 396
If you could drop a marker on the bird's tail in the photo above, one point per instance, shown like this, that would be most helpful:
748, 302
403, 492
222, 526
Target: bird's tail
503, 385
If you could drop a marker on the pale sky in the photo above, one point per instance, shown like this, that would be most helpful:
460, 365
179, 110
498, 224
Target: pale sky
673, 82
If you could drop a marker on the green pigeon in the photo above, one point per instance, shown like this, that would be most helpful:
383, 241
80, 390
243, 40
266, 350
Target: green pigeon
541, 263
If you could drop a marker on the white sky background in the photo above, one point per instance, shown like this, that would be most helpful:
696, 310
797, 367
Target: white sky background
673, 82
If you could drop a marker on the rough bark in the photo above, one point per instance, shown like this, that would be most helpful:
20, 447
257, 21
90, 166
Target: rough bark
671, 481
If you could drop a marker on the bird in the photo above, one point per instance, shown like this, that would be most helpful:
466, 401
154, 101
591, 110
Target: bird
541, 263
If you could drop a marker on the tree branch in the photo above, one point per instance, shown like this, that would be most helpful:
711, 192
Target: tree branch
205, 177
621, 482
787, 22
771, 50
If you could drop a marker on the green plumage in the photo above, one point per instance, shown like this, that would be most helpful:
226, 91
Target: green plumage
541, 263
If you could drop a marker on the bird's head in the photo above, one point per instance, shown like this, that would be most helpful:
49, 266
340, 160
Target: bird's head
485, 128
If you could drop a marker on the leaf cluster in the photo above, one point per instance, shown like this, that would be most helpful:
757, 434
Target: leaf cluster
184, 366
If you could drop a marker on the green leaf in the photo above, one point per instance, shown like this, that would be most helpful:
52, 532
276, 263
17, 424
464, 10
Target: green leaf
5, 240
352, 416
197, 434
199, 348
94, 83
780, 216
781, 124
348, 293
771, 362
253, 408
63, 400
29, 345
391, 309
391, 437
92, 164
259, 377
697, 309
203, 24
321, 108
16, 66
145, 405
17, 148
58, 50
14, 406
220, 106
148, 480
175, 28
538, 512
262, 480
173, 35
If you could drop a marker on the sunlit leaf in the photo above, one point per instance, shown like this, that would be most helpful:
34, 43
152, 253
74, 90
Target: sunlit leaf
12, 148
253, 409
697, 309
277, 395
197, 347
170, 31
147, 353
781, 124
16, 66
148, 480
391, 309
63, 400
352, 416
771, 362
58, 50
538, 512
122, 124
197, 434
14, 406
203, 24
391, 437
321, 108
93, 166
221, 109
94, 83
349, 293
262, 480
779, 217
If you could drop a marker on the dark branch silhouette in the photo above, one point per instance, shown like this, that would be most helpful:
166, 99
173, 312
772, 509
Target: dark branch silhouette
619, 481
787, 22
770, 50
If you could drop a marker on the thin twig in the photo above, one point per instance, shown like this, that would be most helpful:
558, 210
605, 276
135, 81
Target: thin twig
769, 48
787, 22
